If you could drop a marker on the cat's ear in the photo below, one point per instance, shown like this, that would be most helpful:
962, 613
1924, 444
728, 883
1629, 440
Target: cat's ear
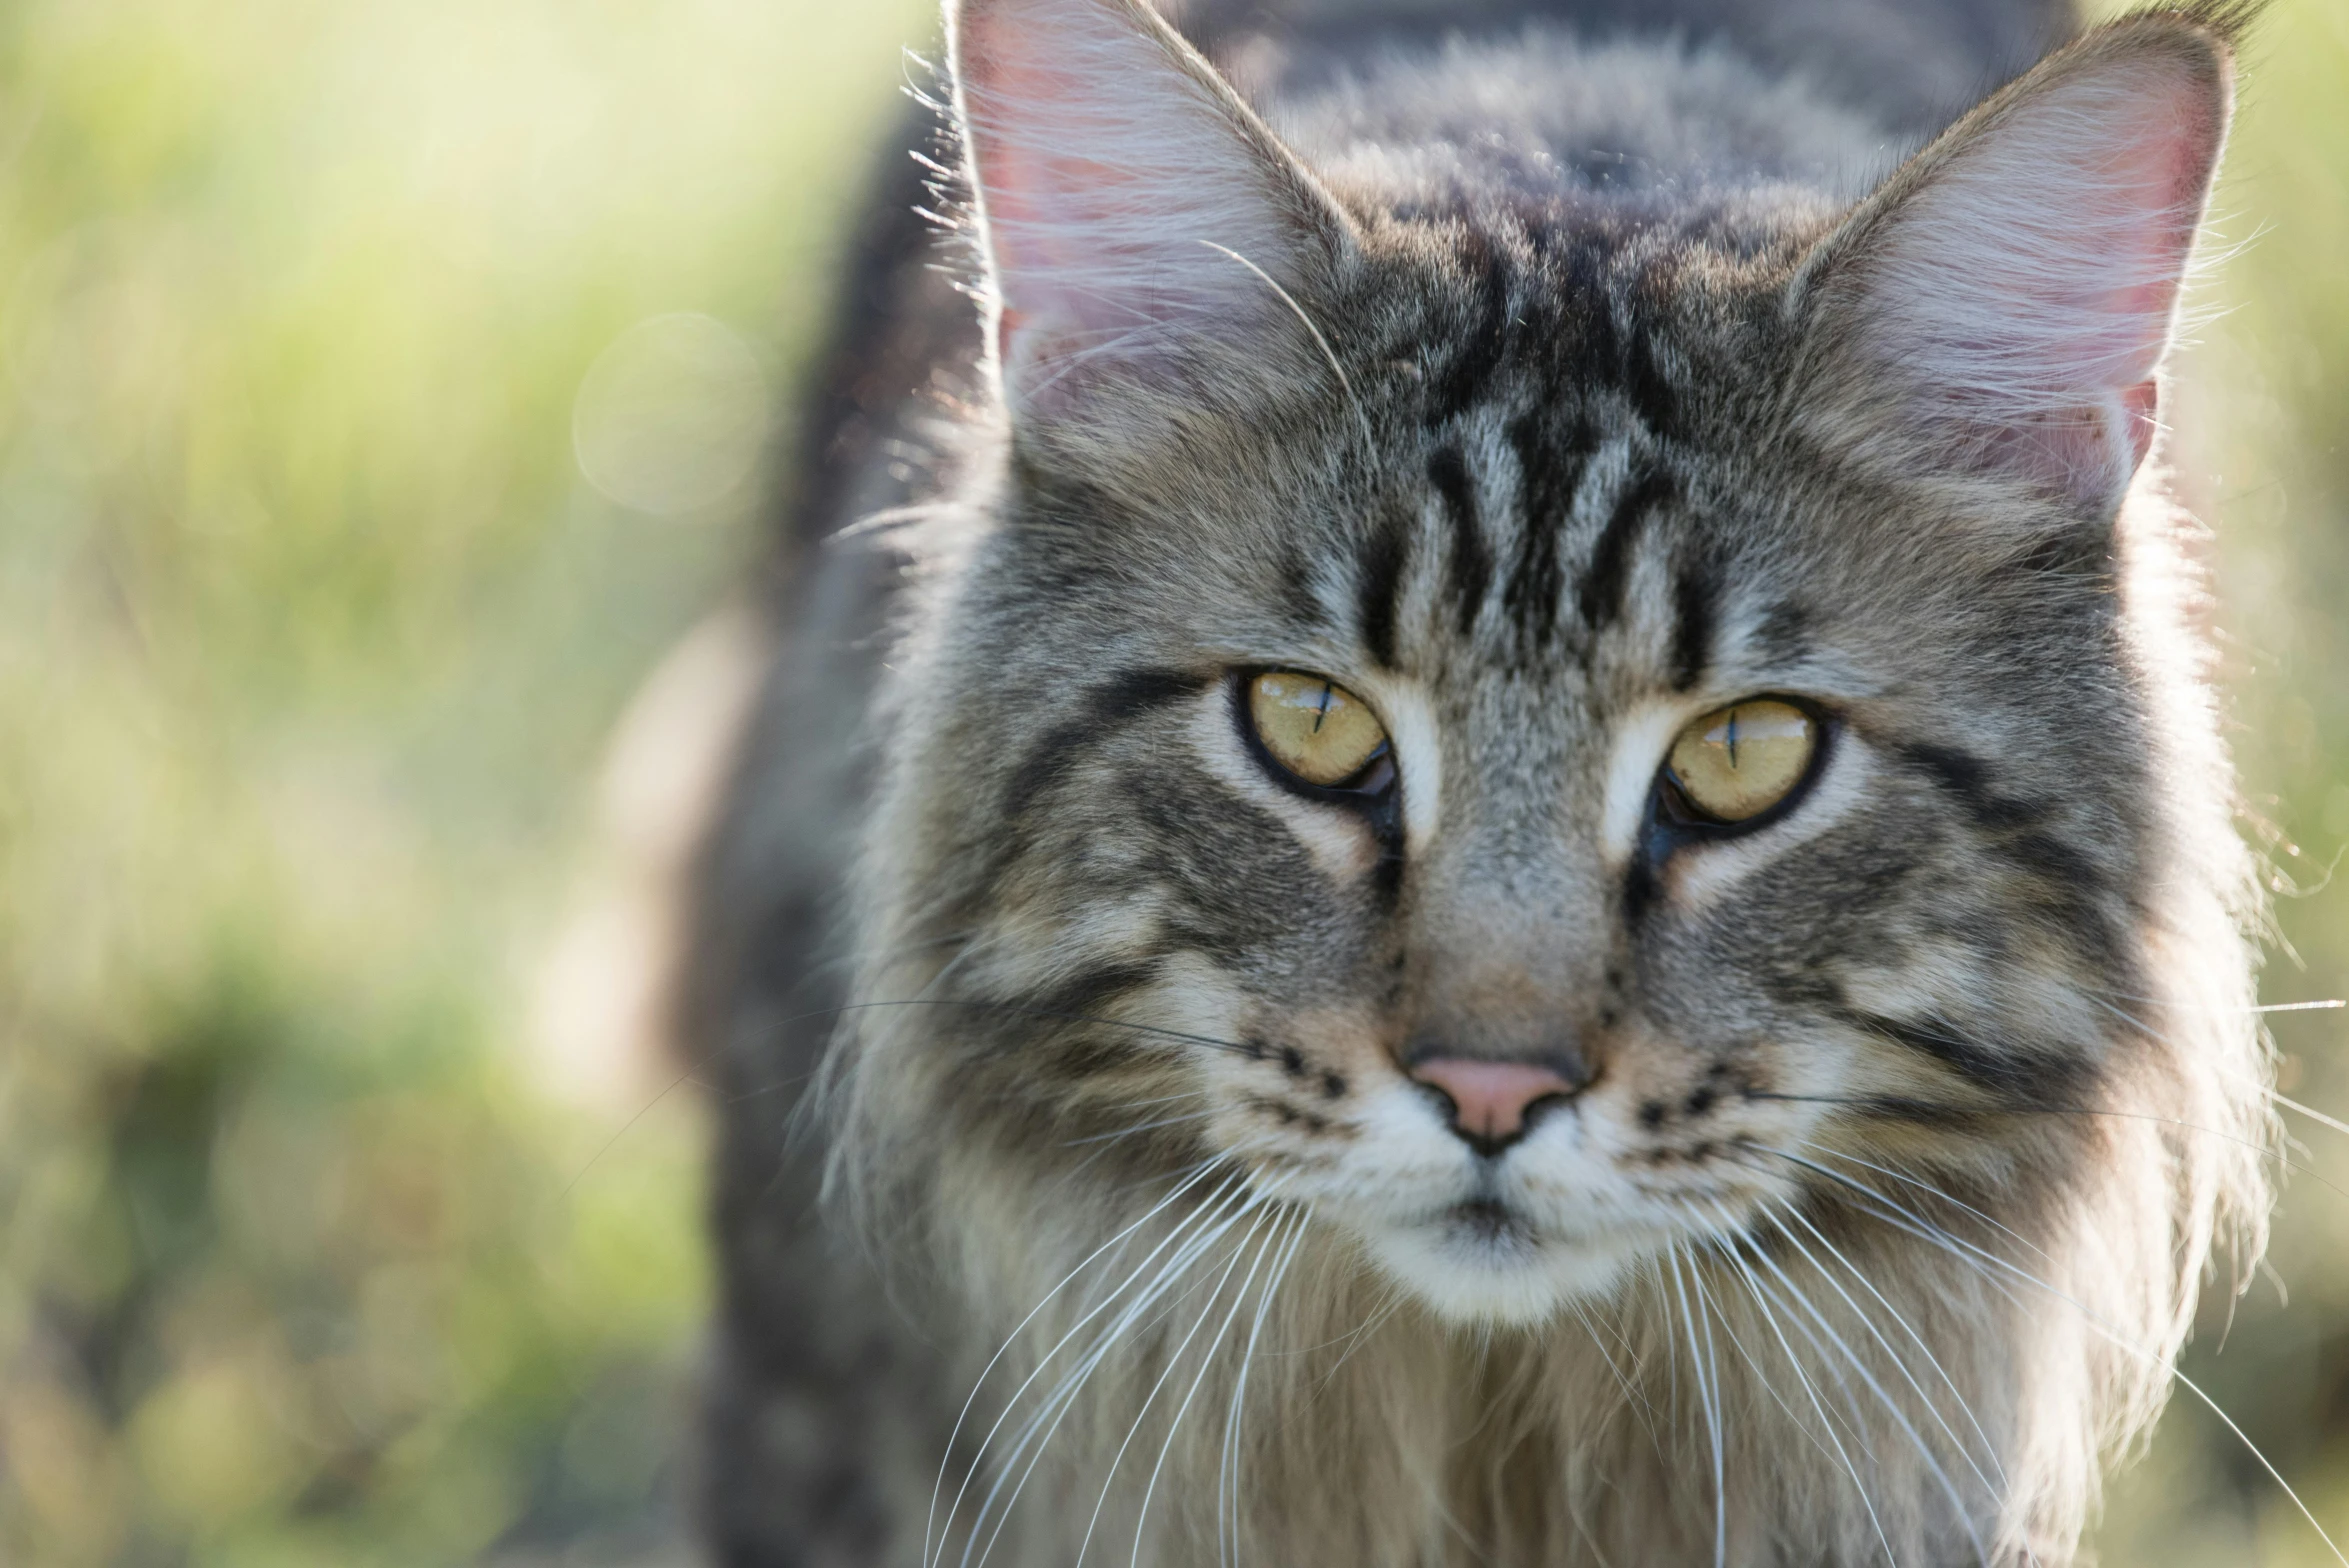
2002, 305
1140, 225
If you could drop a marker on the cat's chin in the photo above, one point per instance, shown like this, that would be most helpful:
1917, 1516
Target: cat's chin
1485, 1275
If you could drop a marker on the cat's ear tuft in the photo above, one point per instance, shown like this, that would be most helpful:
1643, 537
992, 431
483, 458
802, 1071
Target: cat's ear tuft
2004, 303
1139, 223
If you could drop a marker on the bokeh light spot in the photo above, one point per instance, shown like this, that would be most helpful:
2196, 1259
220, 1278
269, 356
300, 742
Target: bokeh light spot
672, 416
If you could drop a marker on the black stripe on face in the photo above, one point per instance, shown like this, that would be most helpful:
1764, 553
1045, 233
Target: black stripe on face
1600, 598
1468, 574
2011, 1076
1473, 363
1079, 1000
1584, 293
1967, 779
1102, 710
1696, 605
1378, 584
1651, 395
1549, 475
2015, 830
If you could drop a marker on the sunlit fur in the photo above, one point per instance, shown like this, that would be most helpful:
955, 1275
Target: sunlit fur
1918, 1114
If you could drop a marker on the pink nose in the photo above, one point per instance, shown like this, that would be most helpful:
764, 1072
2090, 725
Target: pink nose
1489, 1099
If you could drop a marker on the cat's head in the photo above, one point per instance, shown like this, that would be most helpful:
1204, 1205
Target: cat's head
1538, 727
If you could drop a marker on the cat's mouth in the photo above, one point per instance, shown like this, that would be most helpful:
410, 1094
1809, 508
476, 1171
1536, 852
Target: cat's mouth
1485, 1218
1483, 1259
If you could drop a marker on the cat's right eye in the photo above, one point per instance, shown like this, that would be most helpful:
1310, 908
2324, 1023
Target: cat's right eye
1315, 730
1738, 762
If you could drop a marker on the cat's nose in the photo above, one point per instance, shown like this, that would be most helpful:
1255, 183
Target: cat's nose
1490, 1100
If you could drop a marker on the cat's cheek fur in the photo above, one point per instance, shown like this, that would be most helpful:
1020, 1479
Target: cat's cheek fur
1703, 878
1339, 840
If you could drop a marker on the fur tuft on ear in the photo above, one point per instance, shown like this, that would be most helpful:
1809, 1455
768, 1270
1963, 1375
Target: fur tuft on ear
1139, 223
2003, 304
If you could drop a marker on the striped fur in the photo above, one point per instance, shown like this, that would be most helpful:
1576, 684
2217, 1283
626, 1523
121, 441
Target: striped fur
1546, 424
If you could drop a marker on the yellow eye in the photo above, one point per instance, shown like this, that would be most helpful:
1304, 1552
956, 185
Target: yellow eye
1739, 761
1313, 727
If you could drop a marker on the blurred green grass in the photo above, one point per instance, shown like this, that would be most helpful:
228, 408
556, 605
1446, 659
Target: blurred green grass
321, 1243
311, 634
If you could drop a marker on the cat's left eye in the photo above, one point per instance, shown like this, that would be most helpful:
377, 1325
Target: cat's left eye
1314, 729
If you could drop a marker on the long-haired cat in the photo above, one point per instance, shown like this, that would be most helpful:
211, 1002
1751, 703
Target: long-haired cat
1491, 831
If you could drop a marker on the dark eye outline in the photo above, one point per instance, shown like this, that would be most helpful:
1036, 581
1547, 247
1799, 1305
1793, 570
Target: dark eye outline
1674, 819
1370, 788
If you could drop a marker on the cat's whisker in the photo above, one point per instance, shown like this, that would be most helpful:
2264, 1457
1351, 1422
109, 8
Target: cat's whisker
1228, 1469
1023, 1010
2325, 1005
1206, 1365
1733, 1252
1204, 1226
1720, 1313
1965, 1251
1895, 1106
1197, 1174
1720, 1422
2314, 1115
1634, 1399
1109, 1477
2133, 1021
1706, 1373
1345, 382
1138, 1128
1859, 1368
1049, 1409
1036, 1436
1989, 1449
1390, 1303
1284, 1237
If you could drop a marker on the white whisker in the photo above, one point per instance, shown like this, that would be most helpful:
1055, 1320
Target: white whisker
1708, 1397
1989, 1449
1369, 437
1230, 1466
1794, 1362
1109, 1477
1959, 1247
1198, 1173
1206, 1365
1883, 1396
1208, 1226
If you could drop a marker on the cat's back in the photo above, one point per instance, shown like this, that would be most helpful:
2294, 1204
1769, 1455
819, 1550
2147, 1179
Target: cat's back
1909, 65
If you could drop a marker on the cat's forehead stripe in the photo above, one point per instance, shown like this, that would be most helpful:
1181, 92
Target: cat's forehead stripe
1599, 596
1525, 549
1469, 567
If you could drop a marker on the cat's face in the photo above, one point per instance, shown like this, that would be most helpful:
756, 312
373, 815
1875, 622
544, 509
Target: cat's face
1553, 764
1319, 782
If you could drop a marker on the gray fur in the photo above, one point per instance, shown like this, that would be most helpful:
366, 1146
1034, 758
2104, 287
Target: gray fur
1591, 444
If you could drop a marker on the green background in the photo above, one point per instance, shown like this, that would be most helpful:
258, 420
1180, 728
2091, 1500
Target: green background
347, 1213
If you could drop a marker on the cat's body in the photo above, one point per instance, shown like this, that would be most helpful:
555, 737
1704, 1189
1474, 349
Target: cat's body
1551, 399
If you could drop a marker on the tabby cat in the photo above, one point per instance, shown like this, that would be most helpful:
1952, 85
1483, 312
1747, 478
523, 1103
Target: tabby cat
1489, 828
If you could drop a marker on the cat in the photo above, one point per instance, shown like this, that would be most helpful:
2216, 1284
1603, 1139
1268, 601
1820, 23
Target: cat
1490, 828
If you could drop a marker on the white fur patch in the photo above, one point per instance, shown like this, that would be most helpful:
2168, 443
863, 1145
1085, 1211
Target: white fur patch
1403, 705
1643, 738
